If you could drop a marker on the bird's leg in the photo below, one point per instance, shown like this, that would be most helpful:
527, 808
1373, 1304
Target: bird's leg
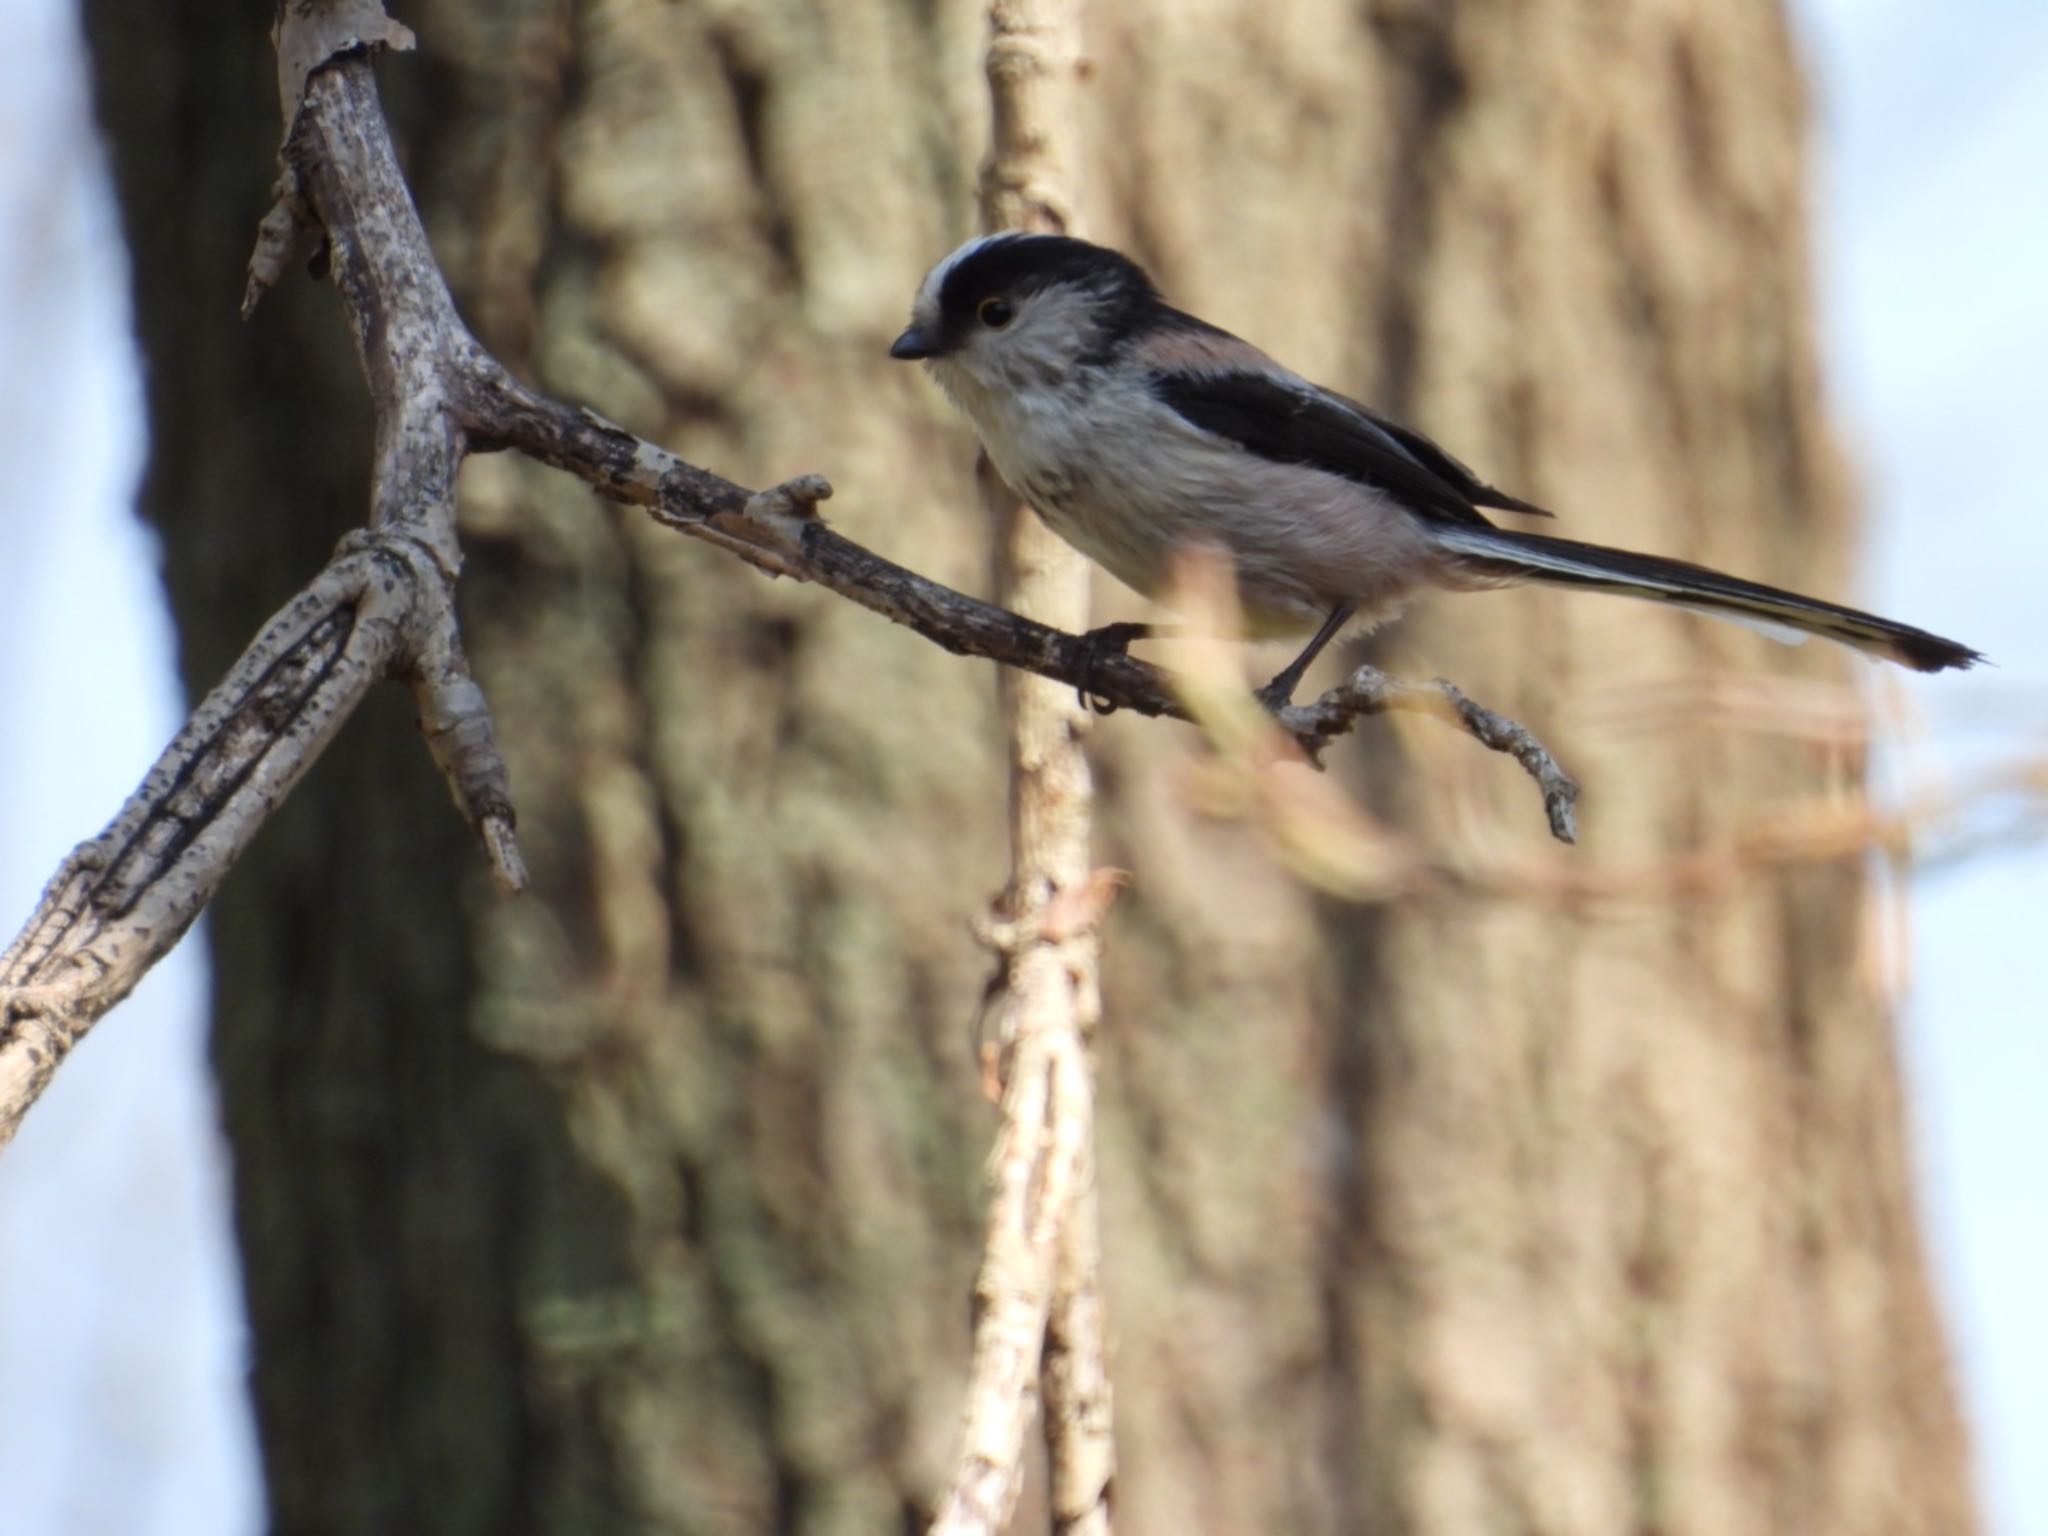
1279, 693
1104, 640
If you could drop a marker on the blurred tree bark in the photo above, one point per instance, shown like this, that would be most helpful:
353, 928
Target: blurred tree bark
646, 1203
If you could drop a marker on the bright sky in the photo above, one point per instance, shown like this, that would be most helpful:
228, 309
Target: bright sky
120, 1326
1935, 225
121, 1350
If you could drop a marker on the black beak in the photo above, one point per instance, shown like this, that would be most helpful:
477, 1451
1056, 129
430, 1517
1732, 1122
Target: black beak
911, 346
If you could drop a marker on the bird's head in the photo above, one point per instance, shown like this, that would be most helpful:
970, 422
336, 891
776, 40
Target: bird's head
1010, 313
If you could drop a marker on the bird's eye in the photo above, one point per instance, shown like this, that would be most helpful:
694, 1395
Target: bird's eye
995, 313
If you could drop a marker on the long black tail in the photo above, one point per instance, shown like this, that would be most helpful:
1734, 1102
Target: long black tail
1498, 554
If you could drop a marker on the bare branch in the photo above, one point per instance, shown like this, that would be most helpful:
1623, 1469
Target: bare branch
383, 606
1034, 1170
1074, 1374
1039, 1319
122, 900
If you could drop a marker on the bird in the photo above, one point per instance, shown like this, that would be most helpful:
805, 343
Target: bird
1138, 431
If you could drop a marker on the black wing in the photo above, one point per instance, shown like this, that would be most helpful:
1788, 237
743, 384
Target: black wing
1299, 424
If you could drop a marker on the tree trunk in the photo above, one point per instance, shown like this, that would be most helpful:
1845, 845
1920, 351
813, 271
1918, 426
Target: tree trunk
647, 1202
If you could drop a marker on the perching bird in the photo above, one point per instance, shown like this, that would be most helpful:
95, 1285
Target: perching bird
1137, 431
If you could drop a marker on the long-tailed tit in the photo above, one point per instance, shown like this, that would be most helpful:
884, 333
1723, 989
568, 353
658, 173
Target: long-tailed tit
1137, 431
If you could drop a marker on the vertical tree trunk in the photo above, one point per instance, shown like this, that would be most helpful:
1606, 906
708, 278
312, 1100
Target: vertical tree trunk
646, 1202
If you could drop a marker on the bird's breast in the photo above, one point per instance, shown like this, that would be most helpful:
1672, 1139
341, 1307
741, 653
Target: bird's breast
1092, 477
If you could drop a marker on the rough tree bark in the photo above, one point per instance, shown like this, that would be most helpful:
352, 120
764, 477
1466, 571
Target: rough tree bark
647, 1202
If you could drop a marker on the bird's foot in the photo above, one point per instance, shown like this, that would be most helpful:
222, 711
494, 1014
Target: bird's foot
1103, 641
1279, 693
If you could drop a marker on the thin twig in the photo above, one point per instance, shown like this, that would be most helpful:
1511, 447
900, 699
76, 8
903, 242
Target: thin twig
1369, 691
